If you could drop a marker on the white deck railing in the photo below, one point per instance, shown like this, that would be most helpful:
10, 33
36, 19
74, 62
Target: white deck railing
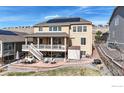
44, 47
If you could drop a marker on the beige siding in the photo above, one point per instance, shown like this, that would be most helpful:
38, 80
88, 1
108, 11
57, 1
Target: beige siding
63, 28
36, 29
76, 37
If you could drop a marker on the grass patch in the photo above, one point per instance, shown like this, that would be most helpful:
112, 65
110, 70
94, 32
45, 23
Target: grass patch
67, 71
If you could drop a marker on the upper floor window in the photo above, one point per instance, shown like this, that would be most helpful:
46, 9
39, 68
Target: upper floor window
59, 28
116, 21
74, 28
40, 28
50, 28
79, 29
0, 48
83, 41
55, 28
84, 28
113, 34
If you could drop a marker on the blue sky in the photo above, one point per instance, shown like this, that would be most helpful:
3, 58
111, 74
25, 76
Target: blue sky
30, 15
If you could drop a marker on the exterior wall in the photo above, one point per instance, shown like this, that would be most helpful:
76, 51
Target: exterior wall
36, 29
76, 39
76, 36
1, 48
116, 32
46, 29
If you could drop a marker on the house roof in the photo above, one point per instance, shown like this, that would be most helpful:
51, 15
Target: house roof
9, 36
64, 21
48, 34
114, 13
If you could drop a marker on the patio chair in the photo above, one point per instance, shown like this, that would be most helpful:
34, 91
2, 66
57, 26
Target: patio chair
53, 61
46, 60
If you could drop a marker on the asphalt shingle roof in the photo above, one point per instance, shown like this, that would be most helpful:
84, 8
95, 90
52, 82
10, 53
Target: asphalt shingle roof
64, 21
9, 36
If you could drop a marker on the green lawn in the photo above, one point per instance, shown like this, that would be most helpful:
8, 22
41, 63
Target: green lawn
67, 71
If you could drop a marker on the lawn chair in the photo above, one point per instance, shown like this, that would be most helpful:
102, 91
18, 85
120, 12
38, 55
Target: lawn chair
53, 61
46, 60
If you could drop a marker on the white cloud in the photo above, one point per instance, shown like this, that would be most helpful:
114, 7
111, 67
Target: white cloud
79, 9
51, 16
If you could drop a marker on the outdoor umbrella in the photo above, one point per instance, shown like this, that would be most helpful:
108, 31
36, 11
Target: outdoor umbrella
17, 55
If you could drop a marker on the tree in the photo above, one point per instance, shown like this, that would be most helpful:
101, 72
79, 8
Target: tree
98, 36
104, 36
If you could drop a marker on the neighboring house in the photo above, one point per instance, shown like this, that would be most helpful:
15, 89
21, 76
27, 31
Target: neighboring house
25, 29
55, 36
10, 43
116, 28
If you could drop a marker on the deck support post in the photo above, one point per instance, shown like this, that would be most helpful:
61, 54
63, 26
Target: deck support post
65, 43
26, 41
51, 46
38, 42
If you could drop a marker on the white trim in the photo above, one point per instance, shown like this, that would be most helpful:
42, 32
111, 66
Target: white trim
1, 50
77, 28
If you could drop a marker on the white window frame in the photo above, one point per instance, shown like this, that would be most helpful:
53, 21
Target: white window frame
78, 28
85, 41
113, 34
116, 21
83, 28
75, 28
52, 28
40, 28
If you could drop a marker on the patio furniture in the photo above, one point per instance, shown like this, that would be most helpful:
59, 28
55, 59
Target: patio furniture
53, 61
46, 60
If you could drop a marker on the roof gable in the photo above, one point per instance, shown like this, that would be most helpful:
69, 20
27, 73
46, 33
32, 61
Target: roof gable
117, 11
63, 21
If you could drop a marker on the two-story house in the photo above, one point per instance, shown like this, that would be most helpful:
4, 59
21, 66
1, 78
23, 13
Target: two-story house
116, 28
55, 36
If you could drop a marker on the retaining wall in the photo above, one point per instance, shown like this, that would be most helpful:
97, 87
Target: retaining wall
112, 65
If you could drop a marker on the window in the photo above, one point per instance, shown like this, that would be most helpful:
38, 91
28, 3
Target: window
113, 34
50, 28
8, 46
83, 41
84, 28
59, 28
74, 28
0, 48
116, 21
79, 29
40, 28
83, 52
55, 28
